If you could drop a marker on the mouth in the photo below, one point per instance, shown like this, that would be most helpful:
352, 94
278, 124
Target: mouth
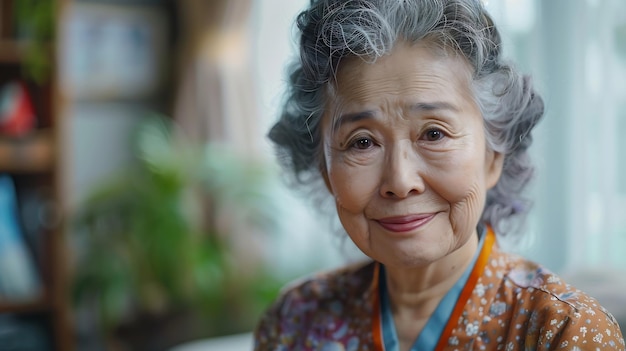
403, 224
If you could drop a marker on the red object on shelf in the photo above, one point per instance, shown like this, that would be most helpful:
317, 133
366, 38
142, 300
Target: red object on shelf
17, 115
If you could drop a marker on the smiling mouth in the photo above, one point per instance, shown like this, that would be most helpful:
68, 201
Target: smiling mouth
403, 224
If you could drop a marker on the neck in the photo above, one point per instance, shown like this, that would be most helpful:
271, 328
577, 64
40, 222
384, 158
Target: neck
419, 289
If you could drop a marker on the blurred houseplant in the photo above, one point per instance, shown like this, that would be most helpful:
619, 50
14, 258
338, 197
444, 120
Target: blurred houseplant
35, 28
170, 249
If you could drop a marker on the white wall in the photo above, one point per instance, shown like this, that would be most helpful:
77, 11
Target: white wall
100, 140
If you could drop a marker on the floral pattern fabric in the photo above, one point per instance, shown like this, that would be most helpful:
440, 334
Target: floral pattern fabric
515, 305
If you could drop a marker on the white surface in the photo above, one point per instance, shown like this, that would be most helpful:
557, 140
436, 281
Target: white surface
237, 342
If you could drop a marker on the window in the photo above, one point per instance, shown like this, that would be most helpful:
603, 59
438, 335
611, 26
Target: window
576, 52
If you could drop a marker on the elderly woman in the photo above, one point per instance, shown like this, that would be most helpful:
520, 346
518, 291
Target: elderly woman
405, 111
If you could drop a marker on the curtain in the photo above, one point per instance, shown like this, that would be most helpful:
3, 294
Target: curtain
215, 103
216, 100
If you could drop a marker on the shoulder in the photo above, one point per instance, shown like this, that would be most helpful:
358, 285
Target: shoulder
545, 286
314, 304
338, 283
557, 312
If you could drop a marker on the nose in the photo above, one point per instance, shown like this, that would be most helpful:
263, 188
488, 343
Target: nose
402, 173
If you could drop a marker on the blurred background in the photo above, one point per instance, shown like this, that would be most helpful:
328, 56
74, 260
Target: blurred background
141, 207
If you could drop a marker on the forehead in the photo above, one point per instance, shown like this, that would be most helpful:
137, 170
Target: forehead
418, 70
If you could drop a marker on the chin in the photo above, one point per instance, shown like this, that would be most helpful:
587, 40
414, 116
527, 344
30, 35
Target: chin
416, 258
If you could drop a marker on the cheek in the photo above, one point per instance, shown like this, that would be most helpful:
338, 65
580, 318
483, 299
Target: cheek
351, 188
461, 184
465, 213
352, 185
457, 186
460, 174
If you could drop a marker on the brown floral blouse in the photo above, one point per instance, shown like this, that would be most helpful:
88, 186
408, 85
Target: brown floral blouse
508, 303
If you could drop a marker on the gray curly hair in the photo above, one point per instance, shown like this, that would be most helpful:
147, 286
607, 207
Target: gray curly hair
332, 30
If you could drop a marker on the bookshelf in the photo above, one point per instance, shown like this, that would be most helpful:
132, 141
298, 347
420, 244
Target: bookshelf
33, 161
31, 154
11, 51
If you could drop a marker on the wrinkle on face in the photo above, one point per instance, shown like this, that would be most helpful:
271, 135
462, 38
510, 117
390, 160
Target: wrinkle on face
469, 206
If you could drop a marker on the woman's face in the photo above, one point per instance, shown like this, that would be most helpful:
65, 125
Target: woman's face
405, 155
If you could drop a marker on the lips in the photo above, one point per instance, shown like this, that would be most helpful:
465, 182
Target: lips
403, 224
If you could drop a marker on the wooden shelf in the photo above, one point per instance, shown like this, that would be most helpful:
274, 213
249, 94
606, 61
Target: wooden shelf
12, 51
35, 306
34, 161
29, 154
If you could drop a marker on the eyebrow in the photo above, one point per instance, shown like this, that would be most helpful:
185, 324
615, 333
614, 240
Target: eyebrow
352, 118
433, 106
421, 106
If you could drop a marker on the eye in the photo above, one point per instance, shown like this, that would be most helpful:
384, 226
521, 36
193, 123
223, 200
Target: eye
433, 134
362, 143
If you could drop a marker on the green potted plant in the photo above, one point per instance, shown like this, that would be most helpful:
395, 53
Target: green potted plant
155, 245
35, 28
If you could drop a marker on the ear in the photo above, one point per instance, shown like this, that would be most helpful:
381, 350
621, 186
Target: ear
493, 167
